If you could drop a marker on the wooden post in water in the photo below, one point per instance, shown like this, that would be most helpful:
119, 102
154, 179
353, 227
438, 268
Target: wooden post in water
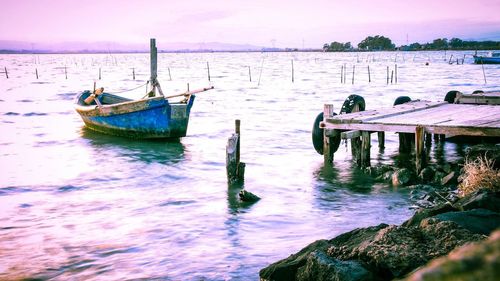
345, 72
392, 75
419, 148
133, 73
249, 73
65, 72
353, 68
396, 73
387, 75
292, 73
341, 74
484, 74
235, 169
6, 73
381, 140
208, 71
169, 76
365, 149
327, 155
36, 73
154, 63
369, 77
99, 73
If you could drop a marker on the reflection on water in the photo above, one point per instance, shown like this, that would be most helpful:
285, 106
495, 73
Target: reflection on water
170, 151
78, 205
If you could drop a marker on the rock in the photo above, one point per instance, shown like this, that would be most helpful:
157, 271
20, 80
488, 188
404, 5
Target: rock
449, 179
480, 221
286, 269
394, 251
321, 267
484, 199
401, 177
478, 261
427, 174
427, 213
247, 196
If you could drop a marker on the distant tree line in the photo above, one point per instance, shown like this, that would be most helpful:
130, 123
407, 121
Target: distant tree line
381, 43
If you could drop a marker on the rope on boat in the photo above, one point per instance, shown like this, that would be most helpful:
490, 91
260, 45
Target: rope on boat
129, 90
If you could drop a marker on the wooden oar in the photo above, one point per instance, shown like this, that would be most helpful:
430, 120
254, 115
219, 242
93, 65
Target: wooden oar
190, 92
94, 95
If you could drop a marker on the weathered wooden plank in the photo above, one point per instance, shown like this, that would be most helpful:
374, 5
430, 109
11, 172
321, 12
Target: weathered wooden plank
369, 115
410, 128
492, 98
365, 149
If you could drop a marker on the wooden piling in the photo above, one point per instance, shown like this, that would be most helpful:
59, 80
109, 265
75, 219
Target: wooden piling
169, 76
392, 75
387, 75
133, 73
381, 140
235, 169
419, 148
208, 71
369, 77
6, 73
99, 73
345, 72
65, 72
341, 74
36, 73
484, 74
293, 78
249, 74
365, 149
327, 155
396, 73
353, 68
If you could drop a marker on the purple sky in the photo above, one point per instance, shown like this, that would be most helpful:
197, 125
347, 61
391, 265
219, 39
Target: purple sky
290, 23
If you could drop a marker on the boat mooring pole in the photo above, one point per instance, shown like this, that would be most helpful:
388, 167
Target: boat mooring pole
154, 64
234, 168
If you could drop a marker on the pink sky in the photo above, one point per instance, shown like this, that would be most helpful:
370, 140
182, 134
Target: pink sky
308, 23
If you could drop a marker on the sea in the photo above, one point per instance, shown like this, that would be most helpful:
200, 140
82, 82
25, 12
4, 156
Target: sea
79, 205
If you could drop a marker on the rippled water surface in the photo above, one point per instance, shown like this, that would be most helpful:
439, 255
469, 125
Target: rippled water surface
77, 205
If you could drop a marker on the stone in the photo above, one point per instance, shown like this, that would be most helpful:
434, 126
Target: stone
394, 251
483, 198
286, 269
449, 179
477, 261
480, 221
321, 267
401, 177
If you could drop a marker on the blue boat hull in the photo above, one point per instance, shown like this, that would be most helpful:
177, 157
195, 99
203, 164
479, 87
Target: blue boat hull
147, 118
486, 60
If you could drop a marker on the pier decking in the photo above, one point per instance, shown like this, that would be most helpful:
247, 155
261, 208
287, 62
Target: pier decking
470, 115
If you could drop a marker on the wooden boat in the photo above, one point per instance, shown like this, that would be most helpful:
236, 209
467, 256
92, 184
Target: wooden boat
153, 116
493, 58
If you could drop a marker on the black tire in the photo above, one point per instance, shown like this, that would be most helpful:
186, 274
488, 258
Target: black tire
450, 96
353, 103
401, 100
317, 136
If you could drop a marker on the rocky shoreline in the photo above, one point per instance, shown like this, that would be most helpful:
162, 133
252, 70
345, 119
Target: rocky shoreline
445, 224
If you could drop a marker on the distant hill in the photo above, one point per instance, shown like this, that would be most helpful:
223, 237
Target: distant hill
105, 47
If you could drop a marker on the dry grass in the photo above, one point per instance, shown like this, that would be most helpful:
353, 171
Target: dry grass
479, 174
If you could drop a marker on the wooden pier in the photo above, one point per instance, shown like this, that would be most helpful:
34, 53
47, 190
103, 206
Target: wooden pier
469, 115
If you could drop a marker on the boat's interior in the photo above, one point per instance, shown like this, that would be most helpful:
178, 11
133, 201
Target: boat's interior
104, 98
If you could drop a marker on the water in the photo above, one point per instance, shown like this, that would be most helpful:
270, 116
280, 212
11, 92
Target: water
83, 206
